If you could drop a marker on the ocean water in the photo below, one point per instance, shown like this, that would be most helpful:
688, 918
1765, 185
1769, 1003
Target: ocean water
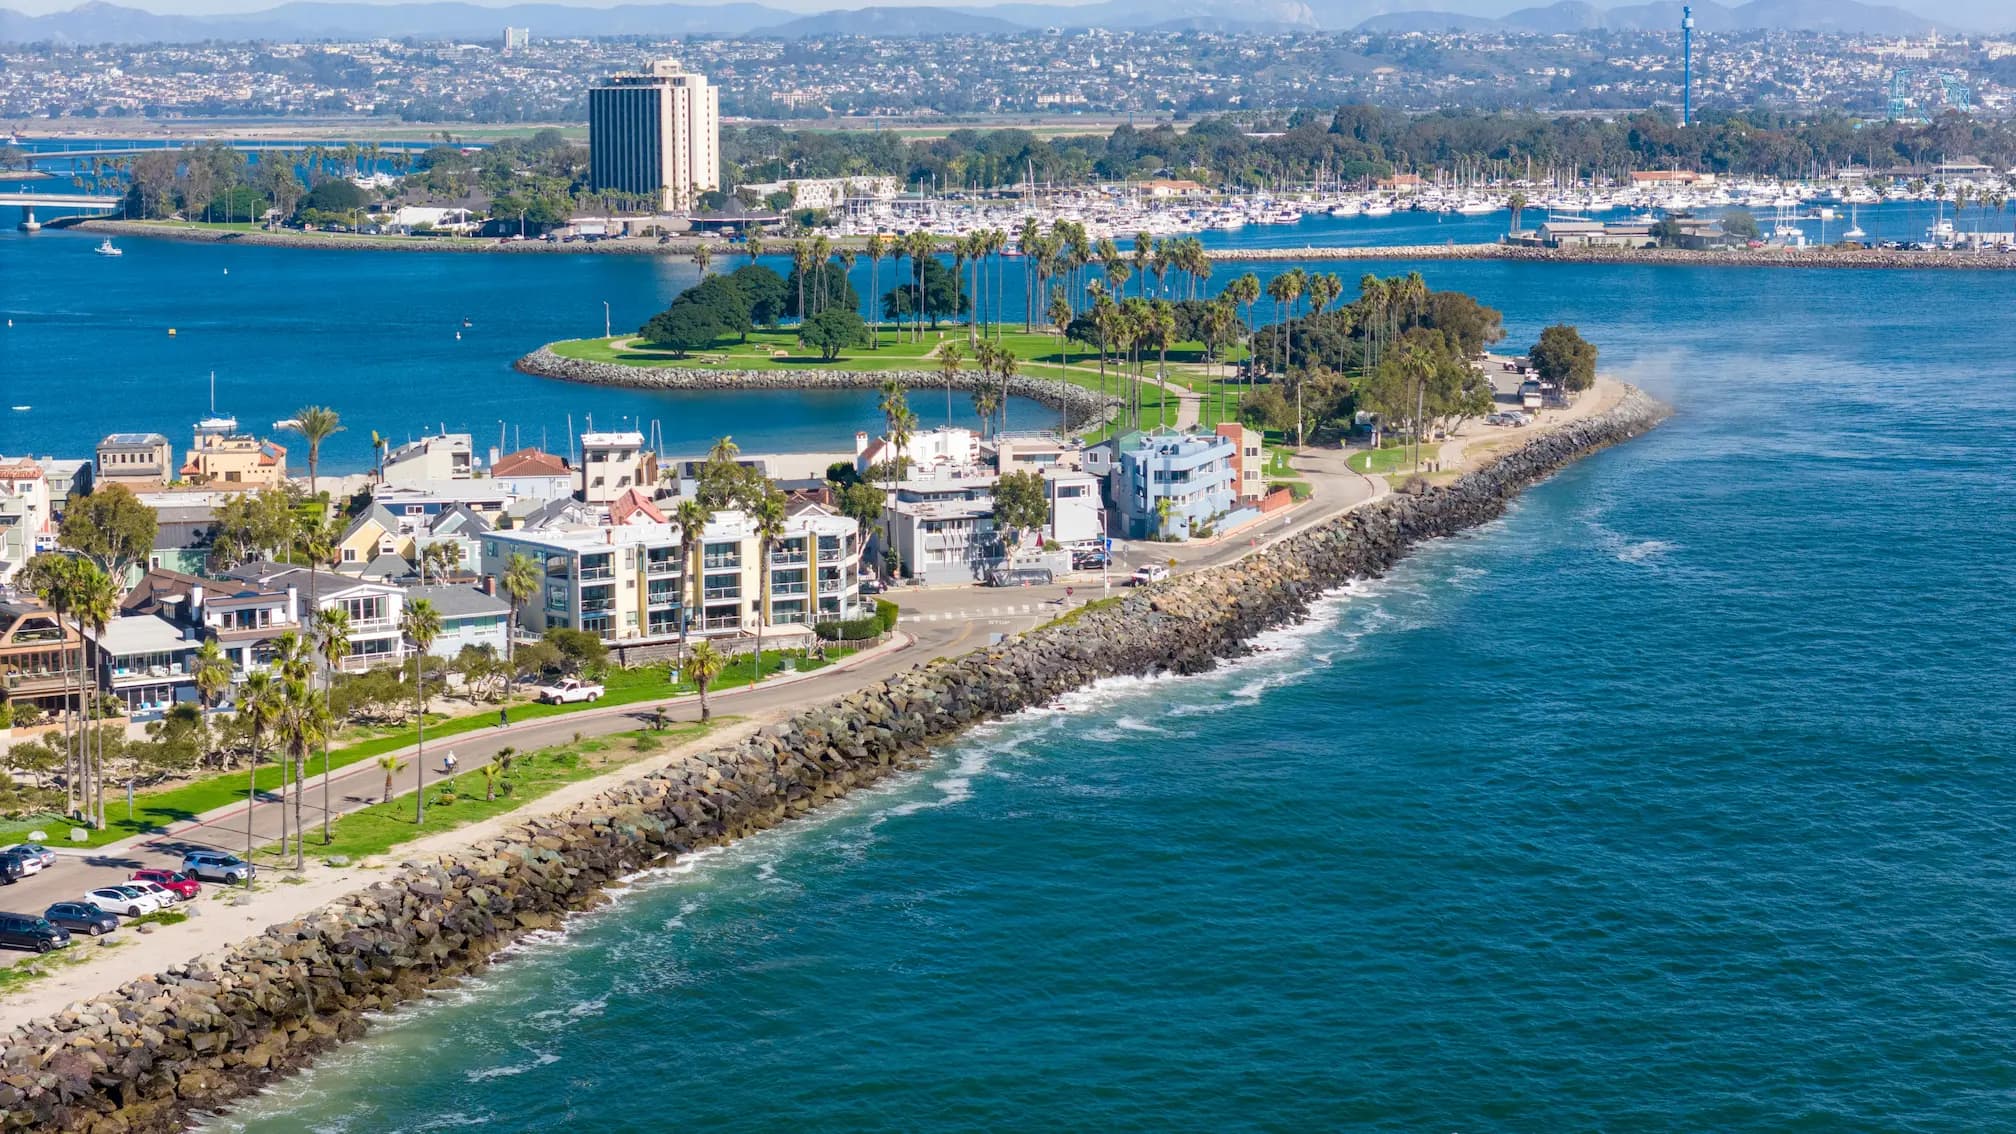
1678, 799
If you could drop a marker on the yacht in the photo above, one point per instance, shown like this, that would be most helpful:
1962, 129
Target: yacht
1855, 231
107, 248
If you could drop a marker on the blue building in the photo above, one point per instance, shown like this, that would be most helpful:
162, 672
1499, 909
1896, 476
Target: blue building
1193, 472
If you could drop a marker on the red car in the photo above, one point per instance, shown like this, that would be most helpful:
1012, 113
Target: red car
183, 885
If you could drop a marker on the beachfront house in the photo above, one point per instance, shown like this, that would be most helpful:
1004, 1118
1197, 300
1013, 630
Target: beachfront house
1165, 483
38, 656
444, 456
140, 461
144, 661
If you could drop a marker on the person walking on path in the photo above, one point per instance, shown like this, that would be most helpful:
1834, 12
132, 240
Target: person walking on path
448, 763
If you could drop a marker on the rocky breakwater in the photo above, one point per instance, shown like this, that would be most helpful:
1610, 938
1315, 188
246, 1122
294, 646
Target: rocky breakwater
1081, 407
190, 1039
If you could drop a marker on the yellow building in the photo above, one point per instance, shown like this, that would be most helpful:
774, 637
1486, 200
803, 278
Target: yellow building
222, 457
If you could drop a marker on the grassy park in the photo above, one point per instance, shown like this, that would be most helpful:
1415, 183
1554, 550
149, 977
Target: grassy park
156, 810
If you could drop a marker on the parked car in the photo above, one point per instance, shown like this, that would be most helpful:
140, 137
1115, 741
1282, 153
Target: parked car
123, 900
217, 866
1152, 573
154, 890
36, 851
871, 586
24, 931
1089, 560
31, 863
12, 867
184, 886
82, 917
571, 691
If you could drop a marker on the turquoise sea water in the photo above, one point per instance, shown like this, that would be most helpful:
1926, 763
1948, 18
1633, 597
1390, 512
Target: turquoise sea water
1680, 798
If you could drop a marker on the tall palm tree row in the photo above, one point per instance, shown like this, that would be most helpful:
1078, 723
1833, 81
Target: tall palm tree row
332, 638
691, 520
258, 707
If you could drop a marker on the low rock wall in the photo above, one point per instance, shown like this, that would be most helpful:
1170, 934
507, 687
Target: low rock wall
199, 1035
1081, 406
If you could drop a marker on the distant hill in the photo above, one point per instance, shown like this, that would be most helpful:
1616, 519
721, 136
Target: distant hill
100, 22
895, 21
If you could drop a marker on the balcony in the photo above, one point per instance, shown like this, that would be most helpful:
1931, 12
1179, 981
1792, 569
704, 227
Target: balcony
782, 590
597, 606
722, 622
721, 562
661, 568
712, 594
662, 598
790, 559
590, 573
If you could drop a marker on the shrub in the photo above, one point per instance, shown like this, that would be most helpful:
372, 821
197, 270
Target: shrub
885, 613
6, 714
848, 630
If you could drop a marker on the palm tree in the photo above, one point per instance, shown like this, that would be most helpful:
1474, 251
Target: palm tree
985, 402
52, 578
878, 247
317, 424
520, 582
769, 522
303, 723
1144, 253
704, 663
949, 360
332, 637
211, 671
1004, 365
492, 772
801, 262
392, 766
1161, 329
421, 624
691, 519
259, 704
753, 245
293, 664
703, 255
1059, 315
94, 604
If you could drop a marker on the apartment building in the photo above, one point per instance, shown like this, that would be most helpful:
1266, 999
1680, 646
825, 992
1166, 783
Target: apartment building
633, 581
1249, 462
140, 461
25, 514
1165, 482
223, 457
613, 464
444, 456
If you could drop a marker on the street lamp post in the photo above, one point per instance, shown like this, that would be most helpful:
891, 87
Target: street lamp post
605, 319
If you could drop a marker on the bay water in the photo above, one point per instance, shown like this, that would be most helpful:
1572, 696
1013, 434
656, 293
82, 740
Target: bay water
1679, 798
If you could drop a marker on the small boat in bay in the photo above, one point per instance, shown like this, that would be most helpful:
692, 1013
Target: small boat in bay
107, 248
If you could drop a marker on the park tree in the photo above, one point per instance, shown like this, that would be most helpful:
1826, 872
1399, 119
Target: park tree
683, 328
334, 197
1564, 357
943, 296
862, 502
832, 331
1740, 223
1021, 503
764, 292
112, 527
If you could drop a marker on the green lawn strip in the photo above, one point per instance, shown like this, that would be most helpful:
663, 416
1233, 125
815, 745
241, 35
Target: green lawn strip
1078, 612
1392, 458
156, 810
376, 829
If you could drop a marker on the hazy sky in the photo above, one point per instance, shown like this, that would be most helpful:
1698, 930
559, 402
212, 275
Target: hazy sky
1964, 13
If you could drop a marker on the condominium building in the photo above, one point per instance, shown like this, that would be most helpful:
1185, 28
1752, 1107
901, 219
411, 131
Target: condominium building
1249, 462
25, 513
140, 461
223, 457
655, 132
444, 456
614, 463
1166, 482
633, 581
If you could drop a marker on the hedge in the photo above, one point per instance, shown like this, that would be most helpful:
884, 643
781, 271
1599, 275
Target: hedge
860, 629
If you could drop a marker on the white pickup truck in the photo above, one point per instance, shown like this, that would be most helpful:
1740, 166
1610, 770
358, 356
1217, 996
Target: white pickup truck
571, 691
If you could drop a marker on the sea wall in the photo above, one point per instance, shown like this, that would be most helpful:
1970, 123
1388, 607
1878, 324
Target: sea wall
197, 1036
1081, 406
1829, 257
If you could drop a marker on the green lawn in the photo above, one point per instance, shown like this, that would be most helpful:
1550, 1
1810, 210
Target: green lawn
376, 829
1389, 459
156, 810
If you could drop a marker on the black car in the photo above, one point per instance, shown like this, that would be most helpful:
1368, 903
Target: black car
1088, 560
13, 864
37, 933
82, 918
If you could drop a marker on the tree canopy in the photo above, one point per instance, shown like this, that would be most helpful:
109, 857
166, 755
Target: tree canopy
832, 331
1563, 356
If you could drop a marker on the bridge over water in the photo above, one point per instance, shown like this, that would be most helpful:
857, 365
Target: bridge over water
29, 202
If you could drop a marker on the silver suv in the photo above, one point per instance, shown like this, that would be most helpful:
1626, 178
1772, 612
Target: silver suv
216, 866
